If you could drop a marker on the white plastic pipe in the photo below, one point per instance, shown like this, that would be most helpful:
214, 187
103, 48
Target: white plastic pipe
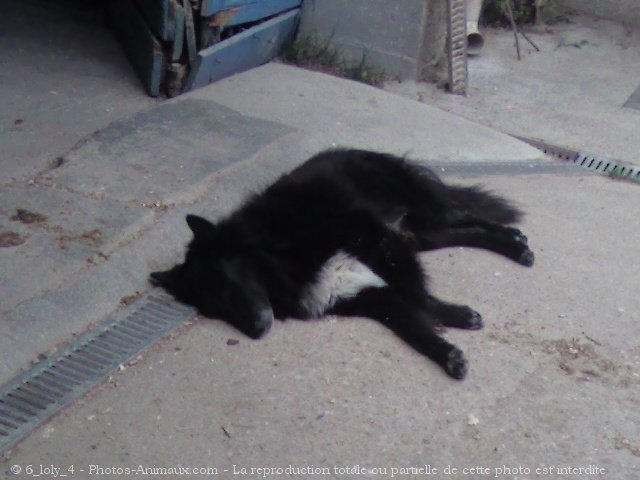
475, 42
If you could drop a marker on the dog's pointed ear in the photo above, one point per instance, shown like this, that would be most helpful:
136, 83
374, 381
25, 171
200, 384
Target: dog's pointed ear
200, 226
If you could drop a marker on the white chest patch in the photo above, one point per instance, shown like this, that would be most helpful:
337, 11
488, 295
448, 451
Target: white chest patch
342, 276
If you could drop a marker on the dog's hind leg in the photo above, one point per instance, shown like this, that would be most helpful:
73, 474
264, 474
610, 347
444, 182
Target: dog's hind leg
499, 242
411, 322
468, 220
461, 229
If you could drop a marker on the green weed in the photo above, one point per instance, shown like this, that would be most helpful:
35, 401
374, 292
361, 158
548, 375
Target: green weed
320, 54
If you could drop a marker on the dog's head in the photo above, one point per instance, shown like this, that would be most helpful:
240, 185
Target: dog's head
219, 281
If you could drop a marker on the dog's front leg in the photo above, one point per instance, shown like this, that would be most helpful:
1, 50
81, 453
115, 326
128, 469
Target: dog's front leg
410, 320
453, 315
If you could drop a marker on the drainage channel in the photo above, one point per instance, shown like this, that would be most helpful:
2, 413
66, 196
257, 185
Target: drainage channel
36, 395
502, 167
595, 163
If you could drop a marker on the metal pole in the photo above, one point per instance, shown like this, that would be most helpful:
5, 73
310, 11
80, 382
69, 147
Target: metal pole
457, 46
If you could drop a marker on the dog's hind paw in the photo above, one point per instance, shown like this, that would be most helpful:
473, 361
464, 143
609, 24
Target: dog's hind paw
526, 258
456, 365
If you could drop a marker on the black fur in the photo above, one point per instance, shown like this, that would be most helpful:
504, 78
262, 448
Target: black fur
261, 261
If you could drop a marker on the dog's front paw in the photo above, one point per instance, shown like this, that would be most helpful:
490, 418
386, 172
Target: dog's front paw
261, 325
456, 365
474, 321
467, 319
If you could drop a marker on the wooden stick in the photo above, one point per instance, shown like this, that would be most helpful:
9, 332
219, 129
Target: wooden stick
513, 25
530, 41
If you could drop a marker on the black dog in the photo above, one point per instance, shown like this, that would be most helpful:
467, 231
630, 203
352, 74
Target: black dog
340, 235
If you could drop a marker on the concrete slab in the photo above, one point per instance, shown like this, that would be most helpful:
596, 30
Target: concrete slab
194, 151
554, 377
159, 154
104, 196
44, 312
61, 233
353, 114
63, 77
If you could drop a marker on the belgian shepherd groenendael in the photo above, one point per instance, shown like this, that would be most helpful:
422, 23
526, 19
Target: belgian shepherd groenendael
340, 235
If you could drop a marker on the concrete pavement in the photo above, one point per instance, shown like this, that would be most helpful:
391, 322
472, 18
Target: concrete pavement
571, 92
63, 77
160, 163
554, 375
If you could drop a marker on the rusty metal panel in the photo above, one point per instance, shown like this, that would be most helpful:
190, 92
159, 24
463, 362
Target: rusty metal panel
236, 12
209, 7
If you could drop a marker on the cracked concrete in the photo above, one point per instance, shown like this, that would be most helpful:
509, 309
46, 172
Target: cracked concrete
554, 377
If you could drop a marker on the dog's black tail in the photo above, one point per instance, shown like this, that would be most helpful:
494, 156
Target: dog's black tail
483, 204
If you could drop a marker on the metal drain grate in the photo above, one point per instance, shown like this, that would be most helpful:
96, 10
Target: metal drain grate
590, 161
607, 165
36, 395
